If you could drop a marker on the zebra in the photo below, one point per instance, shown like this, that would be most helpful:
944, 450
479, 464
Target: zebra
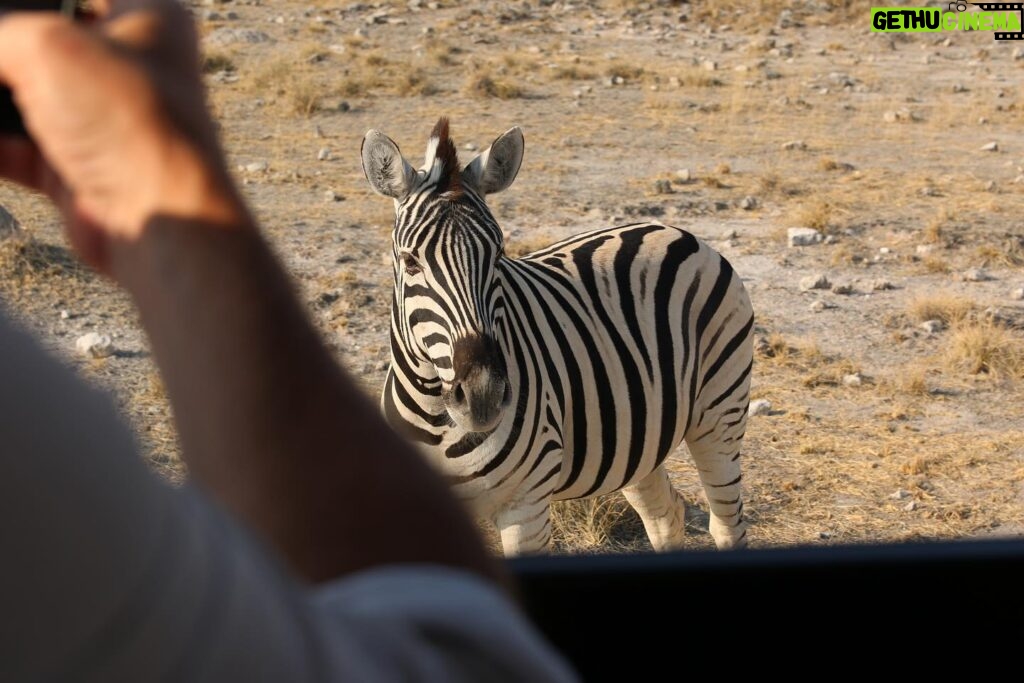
571, 372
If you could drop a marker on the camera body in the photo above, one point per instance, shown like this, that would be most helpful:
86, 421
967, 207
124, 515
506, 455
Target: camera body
10, 118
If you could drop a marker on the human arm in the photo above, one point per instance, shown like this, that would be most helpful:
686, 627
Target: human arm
269, 424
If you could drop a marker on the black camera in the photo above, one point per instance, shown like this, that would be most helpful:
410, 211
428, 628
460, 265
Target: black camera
10, 119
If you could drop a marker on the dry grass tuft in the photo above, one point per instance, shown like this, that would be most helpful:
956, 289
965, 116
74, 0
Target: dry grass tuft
944, 306
214, 62
600, 523
482, 84
817, 213
983, 347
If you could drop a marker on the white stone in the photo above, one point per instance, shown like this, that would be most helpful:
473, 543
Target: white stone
64, 315
910, 507
900, 494
94, 345
924, 249
932, 326
229, 36
803, 237
759, 407
748, 203
882, 285
709, 65
794, 145
683, 175
1017, 294
976, 275
842, 289
324, 154
819, 306
990, 147
854, 380
817, 281
256, 167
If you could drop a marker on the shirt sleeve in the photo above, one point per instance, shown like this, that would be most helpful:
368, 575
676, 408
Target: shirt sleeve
431, 623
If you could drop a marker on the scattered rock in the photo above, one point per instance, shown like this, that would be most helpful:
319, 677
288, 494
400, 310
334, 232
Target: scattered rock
924, 249
976, 275
1017, 294
662, 187
324, 154
794, 145
683, 175
817, 281
959, 87
64, 315
255, 167
928, 191
902, 115
94, 345
803, 237
882, 285
932, 326
223, 37
759, 407
332, 196
819, 306
854, 380
910, 507
842, 289
990, 147
748, 203
9, 226
900, 494
709, 65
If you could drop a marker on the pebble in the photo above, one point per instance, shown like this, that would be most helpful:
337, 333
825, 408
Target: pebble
882, 285
900, 494
1017, 294
802, 237
819, 306
709, 65
842, 289
976, 275
332, 196
64, 315
324, 154
229, 36
759, 407
662, 187
94, 345
794, 145
683, 175
899, 116
990, 147
748, 203
256, 167
910, 507
854, 380
924, 249
932, 326
817, 281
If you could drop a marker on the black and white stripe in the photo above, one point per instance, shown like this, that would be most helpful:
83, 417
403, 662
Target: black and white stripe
571, 372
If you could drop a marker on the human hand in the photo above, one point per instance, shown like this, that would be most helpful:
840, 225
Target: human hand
117, 115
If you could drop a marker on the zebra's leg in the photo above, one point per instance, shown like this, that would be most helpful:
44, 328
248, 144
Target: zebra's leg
661, 509
525, 528
716, 452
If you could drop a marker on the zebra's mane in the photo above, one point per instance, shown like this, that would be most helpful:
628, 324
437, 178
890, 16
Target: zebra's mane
442, 161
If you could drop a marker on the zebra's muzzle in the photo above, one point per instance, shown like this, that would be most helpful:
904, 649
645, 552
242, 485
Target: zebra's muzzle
480, 390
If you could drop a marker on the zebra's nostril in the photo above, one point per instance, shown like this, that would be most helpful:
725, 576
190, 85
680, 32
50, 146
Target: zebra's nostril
458, 394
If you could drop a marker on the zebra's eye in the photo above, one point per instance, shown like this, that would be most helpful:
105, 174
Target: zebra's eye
411, 265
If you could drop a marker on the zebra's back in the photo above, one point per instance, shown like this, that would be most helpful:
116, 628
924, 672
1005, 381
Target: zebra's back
643, 328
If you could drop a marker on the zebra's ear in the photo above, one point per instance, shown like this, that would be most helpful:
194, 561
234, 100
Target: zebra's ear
385, 167
496, 168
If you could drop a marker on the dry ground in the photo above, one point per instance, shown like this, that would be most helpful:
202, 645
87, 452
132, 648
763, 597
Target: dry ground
783, 117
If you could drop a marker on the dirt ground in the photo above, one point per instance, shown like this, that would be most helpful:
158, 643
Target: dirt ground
895, 389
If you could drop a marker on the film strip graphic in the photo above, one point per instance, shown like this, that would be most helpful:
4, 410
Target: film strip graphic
996, 7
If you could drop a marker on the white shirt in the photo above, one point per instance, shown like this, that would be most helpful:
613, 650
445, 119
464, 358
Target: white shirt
109, 574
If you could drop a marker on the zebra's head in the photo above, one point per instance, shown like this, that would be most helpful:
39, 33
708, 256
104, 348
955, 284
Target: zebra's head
446, 250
